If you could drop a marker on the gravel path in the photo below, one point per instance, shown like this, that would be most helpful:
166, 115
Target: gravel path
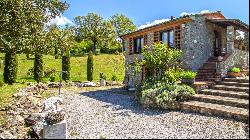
102, 114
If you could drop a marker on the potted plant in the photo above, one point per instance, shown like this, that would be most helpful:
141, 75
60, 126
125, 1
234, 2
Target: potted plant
234, 72
188, 77
102, 79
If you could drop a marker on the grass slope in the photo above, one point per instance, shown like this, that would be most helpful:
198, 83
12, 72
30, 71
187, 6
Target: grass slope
109, 64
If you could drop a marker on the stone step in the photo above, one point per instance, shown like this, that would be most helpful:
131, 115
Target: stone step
231, 88
235, 102
224, 93
216, 109
233, 84
239, 80
205, 73
214, 79
205, 70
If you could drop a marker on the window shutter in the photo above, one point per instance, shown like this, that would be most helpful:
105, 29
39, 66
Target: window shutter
130, 46
177, 37
156, 36
145, 40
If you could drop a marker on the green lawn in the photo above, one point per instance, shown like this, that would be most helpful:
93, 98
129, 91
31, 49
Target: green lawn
107, 63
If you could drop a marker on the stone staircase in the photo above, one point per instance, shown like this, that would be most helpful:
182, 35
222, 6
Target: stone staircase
227, 98
208, 71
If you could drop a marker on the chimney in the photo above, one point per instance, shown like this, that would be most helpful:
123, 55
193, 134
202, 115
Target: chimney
172, 17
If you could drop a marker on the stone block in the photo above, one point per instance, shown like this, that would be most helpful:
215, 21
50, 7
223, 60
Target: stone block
55, 131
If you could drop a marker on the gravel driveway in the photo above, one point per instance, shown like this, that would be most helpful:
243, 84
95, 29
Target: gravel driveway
105, 114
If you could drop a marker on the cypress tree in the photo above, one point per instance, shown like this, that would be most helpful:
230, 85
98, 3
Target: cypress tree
10, 67
38, 67
66, 66
90, 66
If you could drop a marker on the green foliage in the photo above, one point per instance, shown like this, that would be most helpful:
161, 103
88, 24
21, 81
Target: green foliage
10, 67
52, 79
235, 69
30, 72
48, 72
159, 57
103, 63
188, 74
1, 83
90, 66
38, 67
61, 40
102, 76
164, 95
173, 75
66, 67
122, 24
114, 77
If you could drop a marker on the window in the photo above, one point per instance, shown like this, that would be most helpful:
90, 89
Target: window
138, 44
167, 37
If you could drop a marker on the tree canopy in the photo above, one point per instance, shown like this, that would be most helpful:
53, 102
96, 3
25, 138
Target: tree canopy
23, 21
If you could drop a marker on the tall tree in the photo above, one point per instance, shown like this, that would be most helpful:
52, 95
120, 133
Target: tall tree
21, 22
62, 40
91, 27
122, 24
90, 66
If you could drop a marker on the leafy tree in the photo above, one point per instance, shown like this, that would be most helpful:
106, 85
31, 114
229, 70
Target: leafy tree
122, 24
21, 22
38, 67
160, 58
62, 39
66, 66
10, 69
92, 27
90, 66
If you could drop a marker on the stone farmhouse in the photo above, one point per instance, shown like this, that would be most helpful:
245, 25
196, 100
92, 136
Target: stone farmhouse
208, 41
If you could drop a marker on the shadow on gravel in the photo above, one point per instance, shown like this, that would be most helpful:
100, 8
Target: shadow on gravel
121, 99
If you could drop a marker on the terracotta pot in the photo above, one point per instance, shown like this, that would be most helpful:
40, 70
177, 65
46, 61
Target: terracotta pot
233, 74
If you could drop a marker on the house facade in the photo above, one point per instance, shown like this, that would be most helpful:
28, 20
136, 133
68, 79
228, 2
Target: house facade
208, 42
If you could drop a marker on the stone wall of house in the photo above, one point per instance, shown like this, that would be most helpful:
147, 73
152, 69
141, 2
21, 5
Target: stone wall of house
238, 58
197, 43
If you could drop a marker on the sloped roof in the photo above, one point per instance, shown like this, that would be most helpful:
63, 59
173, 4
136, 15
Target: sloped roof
173, 20
238, 24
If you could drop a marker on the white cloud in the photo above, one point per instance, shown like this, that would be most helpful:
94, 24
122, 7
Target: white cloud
148, 24
60, 20
201, 12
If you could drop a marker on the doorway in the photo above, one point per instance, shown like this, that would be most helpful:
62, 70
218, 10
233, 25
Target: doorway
217, 43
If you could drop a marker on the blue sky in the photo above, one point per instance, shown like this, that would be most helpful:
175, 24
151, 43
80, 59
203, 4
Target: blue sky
143, 11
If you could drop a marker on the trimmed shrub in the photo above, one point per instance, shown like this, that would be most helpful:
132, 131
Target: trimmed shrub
10, 67
52, 78
114, 78
38, 67
163, 95
1, 83
66, 67
48, 72
90, 66
30, 72
188, 74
